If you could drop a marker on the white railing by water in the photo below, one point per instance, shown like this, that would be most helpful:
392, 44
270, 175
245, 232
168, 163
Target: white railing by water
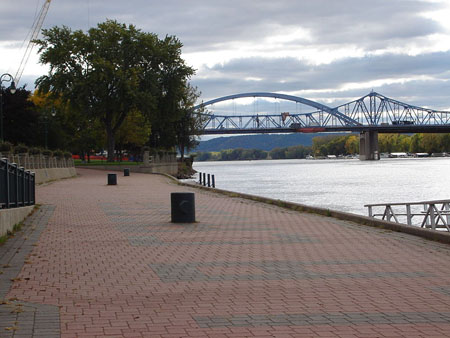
427, 214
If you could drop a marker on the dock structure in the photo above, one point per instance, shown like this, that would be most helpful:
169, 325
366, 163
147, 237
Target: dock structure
105, 260
426, 214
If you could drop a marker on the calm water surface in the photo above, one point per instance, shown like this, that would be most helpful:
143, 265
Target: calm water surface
344, 185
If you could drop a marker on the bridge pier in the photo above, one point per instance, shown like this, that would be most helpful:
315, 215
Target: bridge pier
368, 146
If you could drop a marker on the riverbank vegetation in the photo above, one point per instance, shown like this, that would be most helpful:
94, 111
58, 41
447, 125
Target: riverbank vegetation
338, 146
241, 154
387, 143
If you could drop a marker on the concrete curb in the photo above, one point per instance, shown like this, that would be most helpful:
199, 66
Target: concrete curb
438, 236
11, 217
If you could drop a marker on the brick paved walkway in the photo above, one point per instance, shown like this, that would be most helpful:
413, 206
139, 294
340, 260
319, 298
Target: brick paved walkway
110, 260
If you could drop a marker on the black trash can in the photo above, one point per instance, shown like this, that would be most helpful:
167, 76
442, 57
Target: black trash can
183, 207
112, 179
126, 172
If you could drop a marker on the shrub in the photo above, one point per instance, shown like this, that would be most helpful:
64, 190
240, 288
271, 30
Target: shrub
47, 152
20, 149
34, 151
5, 147
67, 155
58, 153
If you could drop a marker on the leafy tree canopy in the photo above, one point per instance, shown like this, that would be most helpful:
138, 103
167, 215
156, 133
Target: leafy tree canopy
113, 70
20, 117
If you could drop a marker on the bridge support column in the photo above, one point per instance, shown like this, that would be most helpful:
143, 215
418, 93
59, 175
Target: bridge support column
368, 146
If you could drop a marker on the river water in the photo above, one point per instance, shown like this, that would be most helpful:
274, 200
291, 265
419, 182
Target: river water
344, 185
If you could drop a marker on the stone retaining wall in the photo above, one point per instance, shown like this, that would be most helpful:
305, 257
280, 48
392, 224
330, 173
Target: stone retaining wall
51, 174
30, 162
46, 168
170, 168
10, 217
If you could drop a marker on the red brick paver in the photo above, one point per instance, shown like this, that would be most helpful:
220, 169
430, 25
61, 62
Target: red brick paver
115, 266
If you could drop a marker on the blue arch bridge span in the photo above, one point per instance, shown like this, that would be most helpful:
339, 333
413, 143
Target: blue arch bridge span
369, 115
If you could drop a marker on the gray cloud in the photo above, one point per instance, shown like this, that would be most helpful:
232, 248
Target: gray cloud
294, 74
206, 26
432, 94
428, 74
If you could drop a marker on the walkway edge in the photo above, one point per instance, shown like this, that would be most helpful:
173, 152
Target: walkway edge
13, 216
438, 236
20, 318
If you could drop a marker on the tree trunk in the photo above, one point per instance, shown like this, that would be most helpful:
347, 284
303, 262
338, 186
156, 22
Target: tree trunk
181, 150
111, 144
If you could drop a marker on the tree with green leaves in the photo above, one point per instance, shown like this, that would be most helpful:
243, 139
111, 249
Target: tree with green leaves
190, 123
352, 144
112, 70
133, 133
278, 153
20, 117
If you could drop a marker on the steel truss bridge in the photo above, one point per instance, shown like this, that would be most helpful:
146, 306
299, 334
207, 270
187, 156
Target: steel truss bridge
372, 112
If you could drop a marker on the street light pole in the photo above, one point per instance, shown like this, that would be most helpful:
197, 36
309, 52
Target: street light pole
46, 131
45, 118
12, 88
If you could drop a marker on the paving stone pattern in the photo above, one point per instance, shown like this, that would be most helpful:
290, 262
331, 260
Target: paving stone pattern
19, 318
108, 263
276, 270
322, 318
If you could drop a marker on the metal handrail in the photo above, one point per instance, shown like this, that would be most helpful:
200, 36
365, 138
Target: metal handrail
410, 203
436, 214
17, 186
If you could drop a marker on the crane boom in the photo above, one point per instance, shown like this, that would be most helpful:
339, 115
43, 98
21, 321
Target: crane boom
35, 29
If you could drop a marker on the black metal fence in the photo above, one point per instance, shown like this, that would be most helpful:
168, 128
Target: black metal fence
17, 186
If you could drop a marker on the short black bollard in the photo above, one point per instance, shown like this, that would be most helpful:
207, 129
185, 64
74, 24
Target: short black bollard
112, 179
213, 181
209, 181
200, 178
204, 179
126, 172
182, 207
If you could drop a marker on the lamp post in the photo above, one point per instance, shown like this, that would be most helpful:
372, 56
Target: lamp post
45, 118
12, 88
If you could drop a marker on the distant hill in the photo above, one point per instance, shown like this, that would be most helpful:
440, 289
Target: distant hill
263, 142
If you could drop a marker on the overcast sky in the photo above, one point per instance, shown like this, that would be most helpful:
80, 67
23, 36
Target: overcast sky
330, 51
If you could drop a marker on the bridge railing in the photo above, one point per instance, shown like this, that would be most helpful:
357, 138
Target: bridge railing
426, 214
17, 186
